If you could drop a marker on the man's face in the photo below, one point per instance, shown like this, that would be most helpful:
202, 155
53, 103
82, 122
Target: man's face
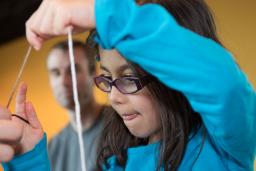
58, 65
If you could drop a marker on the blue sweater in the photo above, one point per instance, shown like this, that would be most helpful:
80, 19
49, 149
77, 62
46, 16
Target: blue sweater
35, 160
201, 69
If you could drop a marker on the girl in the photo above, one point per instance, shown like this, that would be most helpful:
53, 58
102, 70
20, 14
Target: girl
181, 101
183, 117
175, 122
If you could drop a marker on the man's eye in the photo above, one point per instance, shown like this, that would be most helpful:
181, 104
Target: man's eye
77, 68
55, 73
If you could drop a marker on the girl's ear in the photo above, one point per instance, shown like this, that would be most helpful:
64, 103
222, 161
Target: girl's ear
98, 58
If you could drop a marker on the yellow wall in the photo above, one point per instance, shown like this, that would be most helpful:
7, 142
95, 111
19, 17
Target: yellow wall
236, 26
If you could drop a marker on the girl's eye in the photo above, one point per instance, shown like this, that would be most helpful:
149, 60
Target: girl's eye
129, 75
106, 76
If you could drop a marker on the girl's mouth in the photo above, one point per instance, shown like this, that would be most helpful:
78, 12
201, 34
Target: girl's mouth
129, 117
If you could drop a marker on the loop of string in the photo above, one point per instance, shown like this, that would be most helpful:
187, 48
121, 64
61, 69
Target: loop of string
77, 104
74, 83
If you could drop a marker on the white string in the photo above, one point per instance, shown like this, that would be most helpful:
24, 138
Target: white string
77, 104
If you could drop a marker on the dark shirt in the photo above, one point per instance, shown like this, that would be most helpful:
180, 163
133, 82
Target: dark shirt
64, 151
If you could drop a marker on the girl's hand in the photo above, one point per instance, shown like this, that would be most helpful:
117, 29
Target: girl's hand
17, 136
56, 17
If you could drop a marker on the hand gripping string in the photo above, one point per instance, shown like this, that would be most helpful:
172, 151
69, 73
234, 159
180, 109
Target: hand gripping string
77, 104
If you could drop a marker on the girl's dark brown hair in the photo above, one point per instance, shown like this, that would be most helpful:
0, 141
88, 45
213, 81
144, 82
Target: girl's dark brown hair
178, 120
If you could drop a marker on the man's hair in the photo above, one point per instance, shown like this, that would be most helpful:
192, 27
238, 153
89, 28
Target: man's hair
90, 51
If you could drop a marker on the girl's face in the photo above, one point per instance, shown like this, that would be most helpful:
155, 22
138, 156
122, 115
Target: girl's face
138, 109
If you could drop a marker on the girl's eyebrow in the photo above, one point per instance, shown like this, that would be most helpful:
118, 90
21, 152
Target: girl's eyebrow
104, 68
121, 69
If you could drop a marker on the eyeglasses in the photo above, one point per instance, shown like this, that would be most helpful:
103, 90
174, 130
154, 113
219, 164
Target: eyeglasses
126, 85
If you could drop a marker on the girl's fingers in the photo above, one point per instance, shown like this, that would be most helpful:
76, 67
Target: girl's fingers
10, 131
34, 40
6, 152
57, 17
4, 113
40, 24
32, 117
31, 34
21, 101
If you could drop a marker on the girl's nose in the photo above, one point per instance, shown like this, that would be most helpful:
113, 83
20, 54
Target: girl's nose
116, 97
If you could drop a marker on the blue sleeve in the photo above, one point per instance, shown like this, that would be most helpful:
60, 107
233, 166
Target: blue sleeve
201, 69
112, 165
35, 160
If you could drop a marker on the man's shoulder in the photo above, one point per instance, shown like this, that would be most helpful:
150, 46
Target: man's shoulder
63, 135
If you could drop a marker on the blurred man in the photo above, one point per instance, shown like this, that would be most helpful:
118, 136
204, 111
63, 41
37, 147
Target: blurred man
63, 148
